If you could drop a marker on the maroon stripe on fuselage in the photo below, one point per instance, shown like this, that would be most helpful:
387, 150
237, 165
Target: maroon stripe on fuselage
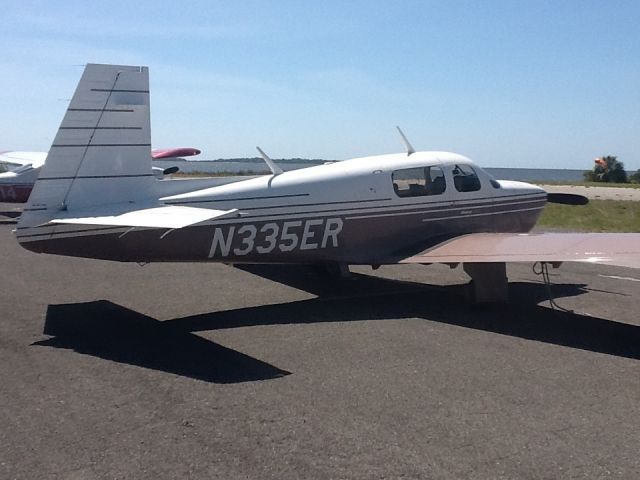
369, 239
389, 209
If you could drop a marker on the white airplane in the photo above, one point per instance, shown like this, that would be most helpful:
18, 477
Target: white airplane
23, 170
24, 167
96, 198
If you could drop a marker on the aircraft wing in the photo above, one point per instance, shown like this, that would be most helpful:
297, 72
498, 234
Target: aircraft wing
168, 216
619, 249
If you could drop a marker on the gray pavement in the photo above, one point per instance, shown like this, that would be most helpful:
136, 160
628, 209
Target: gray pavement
114, 370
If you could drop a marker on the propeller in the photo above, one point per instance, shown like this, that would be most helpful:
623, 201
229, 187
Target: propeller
170, 170
174, 152
567, 199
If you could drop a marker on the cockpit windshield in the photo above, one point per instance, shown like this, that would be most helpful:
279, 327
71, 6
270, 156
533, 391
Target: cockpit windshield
465, 178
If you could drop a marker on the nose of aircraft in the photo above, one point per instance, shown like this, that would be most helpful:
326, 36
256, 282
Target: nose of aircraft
512, 187
509, 187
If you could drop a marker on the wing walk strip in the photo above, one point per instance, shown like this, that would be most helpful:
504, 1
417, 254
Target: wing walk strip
109, 230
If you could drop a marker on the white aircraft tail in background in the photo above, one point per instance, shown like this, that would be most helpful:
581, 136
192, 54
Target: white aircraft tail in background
22, 171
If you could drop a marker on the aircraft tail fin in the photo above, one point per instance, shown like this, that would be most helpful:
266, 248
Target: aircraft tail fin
101, 154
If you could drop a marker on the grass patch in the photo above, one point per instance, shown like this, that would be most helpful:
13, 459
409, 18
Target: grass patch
596, 216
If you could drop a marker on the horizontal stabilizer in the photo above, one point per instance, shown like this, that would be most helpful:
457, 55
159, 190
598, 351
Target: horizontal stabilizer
172, 216
620, 249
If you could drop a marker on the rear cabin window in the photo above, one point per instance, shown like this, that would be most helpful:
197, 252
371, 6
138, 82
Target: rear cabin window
418, 182
465, 179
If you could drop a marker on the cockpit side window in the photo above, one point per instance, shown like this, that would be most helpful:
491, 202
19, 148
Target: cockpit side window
419, 181
465, 179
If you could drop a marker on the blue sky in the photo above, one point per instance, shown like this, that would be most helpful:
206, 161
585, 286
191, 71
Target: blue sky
508, 83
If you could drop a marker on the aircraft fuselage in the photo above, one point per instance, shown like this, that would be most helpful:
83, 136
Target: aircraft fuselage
372, 210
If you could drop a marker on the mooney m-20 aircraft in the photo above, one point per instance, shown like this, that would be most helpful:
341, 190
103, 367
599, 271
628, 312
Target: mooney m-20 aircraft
96, 197
24, 167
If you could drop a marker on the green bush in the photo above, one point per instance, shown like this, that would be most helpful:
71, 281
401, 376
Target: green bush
607, 169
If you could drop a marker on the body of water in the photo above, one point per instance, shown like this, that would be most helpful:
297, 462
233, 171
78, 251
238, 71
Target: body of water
256, 167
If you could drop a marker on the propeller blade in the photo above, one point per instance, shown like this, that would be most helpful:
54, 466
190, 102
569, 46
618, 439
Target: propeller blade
567, 199
170, 170
174, 152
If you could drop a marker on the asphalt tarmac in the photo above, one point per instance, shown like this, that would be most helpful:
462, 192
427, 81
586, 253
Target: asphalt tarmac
112, 370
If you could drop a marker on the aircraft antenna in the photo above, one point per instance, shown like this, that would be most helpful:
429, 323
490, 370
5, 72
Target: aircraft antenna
275, 169
408, 145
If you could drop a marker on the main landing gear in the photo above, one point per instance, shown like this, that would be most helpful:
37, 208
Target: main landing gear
489, 282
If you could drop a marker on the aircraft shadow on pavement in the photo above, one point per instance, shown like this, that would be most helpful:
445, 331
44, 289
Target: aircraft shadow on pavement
106, 330
109, 331
377, 298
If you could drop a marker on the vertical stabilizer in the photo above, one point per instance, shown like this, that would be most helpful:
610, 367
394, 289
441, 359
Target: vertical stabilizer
101, 154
